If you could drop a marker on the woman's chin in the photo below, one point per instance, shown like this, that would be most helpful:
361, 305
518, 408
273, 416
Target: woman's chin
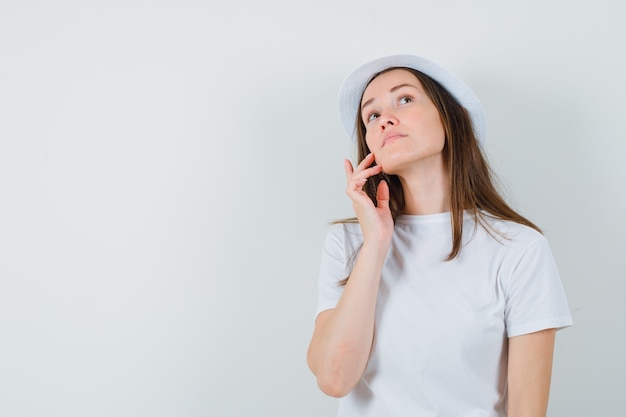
389, 168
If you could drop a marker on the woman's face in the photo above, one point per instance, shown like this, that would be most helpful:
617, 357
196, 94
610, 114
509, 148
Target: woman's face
403, 127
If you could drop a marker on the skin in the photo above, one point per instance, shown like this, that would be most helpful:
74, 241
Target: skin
404, 132
406, 137
529, 373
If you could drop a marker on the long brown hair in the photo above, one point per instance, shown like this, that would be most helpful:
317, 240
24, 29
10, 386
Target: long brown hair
472, 186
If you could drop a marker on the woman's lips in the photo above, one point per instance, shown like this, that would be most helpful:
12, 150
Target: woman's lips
392, 136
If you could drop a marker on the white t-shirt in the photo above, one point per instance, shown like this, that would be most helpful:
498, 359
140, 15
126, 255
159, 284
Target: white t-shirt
441, 331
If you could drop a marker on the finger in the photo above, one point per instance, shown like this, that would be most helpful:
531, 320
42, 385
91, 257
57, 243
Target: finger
354, 182
347, 165
359, 173
366, 162
382, 195
371, 171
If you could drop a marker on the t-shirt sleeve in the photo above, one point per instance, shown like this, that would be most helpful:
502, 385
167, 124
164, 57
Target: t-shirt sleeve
335, 266
534, 295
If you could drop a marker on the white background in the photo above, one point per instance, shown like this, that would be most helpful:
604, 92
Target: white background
168, 170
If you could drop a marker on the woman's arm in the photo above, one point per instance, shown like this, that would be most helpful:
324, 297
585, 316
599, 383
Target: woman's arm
529, 373
343, 336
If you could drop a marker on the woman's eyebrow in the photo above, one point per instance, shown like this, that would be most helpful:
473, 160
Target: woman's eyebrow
397, 87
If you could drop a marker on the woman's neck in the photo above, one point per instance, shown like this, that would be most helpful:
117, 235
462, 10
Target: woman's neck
426, 191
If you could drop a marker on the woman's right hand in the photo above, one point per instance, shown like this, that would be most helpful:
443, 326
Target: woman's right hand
375, 220
342, 340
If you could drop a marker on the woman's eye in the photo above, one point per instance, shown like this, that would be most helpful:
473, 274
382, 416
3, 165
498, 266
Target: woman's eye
405, 100
372, 117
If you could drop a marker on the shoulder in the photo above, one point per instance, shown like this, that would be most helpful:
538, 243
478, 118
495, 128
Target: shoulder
524, 251
343, 238
513, 234
514, 242
348, 228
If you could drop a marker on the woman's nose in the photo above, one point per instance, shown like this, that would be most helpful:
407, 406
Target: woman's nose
388, 119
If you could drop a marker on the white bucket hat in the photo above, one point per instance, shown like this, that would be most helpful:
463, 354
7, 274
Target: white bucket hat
351, 90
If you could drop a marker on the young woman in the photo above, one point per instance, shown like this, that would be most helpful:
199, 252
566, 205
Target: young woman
438, 299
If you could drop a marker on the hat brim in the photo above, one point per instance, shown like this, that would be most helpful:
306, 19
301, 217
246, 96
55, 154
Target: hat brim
351, 90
